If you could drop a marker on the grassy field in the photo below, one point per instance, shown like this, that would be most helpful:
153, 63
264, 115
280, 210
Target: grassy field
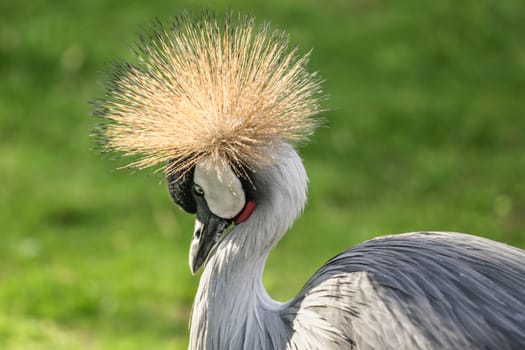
425, 131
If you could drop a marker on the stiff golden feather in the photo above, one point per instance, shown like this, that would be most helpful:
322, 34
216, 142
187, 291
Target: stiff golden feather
203, 87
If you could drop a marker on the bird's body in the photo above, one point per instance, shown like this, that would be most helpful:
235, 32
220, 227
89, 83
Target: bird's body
425, 290
221, 103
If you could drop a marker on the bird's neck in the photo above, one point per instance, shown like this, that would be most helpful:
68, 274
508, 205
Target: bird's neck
232, 309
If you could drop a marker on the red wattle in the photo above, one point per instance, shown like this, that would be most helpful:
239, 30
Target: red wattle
245, 213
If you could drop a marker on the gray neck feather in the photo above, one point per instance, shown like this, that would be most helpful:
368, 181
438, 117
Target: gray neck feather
232, 309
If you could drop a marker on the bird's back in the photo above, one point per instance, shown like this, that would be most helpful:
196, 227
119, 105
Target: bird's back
417, 290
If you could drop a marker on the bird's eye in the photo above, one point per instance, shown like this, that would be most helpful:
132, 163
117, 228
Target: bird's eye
198, 190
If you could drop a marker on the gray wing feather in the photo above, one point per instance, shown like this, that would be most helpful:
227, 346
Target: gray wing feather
418, 290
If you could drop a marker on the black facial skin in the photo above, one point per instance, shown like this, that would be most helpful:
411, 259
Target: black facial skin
180, 189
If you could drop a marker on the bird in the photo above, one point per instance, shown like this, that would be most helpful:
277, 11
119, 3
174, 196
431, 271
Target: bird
220, 104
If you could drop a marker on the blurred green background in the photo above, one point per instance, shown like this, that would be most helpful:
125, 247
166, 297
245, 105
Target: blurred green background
425, 132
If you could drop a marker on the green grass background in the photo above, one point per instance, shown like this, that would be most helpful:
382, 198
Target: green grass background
425, 132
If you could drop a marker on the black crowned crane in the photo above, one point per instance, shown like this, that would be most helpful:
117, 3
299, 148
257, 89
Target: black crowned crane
221, 103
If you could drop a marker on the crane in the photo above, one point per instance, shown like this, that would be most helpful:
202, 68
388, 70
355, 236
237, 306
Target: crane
221, 104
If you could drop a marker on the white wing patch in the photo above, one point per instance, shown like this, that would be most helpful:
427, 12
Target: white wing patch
222, 188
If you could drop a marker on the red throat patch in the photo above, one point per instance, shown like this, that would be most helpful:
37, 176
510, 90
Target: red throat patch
245, 213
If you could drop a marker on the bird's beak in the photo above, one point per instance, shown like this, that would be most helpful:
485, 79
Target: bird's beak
208, 230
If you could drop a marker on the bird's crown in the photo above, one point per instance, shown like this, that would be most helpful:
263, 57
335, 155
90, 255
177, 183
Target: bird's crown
208, 88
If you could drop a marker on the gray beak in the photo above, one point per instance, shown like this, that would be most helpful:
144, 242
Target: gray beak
208, 230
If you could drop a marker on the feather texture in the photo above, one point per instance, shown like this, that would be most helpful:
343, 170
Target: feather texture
430, 290
204, 87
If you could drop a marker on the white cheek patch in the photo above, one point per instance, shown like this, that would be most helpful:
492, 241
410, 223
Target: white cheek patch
222, 189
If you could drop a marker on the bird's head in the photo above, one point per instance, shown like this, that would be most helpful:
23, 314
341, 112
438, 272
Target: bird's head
218, 197
213, 101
